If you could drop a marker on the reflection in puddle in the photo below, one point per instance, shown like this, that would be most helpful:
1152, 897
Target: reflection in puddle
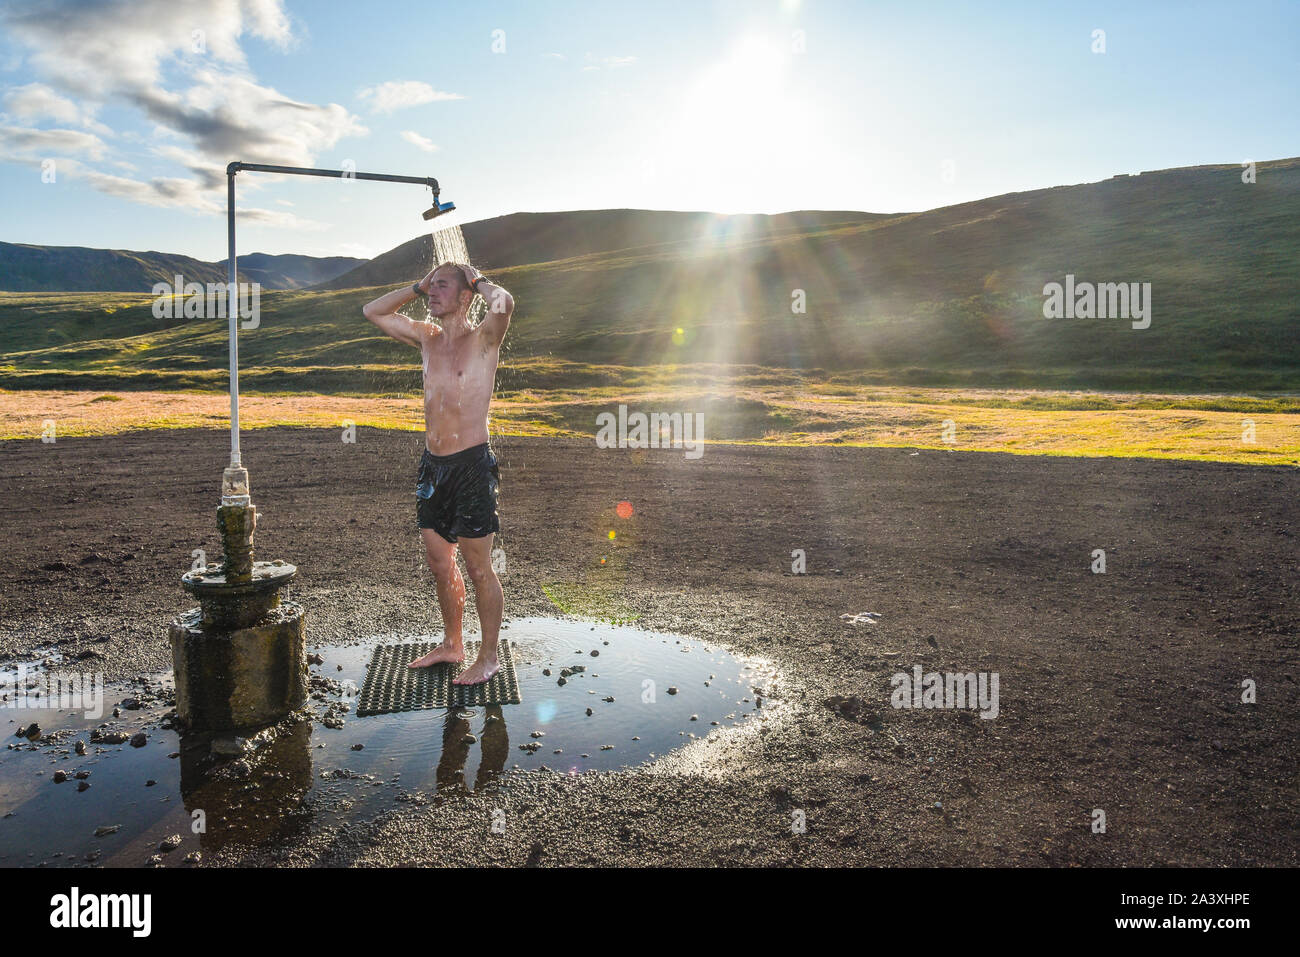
595, 697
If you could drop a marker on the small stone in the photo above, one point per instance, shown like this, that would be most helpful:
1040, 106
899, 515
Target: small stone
589, 712
80, 747
672, 689
358, 747
695, 717
562, 681
82, 785
595, 653
315, 659
537, 734
469, 739
150, 783
60, 777
608, 699
607, 747
193, 857
106, 829
139, 740
547, 672
170, 844
82, 774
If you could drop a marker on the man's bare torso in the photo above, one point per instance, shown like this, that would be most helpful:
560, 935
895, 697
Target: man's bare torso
459, 374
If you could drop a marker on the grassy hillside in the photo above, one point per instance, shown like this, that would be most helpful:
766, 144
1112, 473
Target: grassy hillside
947, 297
523, 238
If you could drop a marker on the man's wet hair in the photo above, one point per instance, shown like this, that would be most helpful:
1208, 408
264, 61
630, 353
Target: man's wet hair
460, 273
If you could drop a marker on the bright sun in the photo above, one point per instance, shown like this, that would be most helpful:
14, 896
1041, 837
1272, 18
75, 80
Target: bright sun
740, 129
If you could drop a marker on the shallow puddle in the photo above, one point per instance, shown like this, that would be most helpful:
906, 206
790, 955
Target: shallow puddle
647, 693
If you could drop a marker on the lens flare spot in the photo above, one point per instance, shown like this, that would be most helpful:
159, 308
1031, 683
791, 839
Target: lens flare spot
679, 336
624, 509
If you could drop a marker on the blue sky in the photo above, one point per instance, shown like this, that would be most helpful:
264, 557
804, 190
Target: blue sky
693, 105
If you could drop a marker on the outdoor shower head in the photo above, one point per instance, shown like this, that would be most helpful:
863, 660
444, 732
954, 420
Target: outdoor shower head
438, 209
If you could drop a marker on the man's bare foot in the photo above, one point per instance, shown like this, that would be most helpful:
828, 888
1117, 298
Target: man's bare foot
444, 652
480, 671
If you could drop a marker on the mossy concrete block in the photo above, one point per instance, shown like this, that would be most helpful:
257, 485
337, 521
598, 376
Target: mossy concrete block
240, 678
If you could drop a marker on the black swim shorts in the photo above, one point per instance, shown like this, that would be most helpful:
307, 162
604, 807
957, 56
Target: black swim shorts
457, 494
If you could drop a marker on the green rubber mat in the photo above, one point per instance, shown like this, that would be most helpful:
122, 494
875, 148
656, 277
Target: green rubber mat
391, 686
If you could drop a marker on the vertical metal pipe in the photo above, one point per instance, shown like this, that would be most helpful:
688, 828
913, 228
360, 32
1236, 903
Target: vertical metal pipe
232, 312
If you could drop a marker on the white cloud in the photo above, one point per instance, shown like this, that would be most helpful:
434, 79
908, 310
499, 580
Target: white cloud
424, 143
209, 105
400, 94
606, 62
36, 101
29, 144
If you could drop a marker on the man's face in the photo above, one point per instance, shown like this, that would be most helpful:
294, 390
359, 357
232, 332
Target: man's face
445, 291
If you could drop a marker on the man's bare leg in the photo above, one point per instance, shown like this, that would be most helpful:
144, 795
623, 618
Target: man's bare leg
451, 599
490, 601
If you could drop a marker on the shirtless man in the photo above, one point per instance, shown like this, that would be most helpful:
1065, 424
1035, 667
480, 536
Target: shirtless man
456, 487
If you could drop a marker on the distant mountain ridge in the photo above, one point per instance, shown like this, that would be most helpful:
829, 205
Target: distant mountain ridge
25, 267
949, 296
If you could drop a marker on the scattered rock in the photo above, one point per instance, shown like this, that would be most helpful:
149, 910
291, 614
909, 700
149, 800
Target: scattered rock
139, 740
854, 709
170, 844
80, 747
106, 829
672, 689
60, 777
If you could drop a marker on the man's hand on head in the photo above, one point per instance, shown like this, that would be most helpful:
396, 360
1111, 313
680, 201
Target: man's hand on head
470, 273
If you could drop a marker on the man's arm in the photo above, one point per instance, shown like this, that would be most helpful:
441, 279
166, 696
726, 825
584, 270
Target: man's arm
383, 313
500, 306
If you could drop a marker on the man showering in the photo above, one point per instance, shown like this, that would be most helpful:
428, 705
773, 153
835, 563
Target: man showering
457, 482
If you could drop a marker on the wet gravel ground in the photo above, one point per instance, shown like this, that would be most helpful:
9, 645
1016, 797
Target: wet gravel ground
1119, 691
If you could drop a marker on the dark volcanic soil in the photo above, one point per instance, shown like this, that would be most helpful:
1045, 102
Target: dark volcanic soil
1119, 691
